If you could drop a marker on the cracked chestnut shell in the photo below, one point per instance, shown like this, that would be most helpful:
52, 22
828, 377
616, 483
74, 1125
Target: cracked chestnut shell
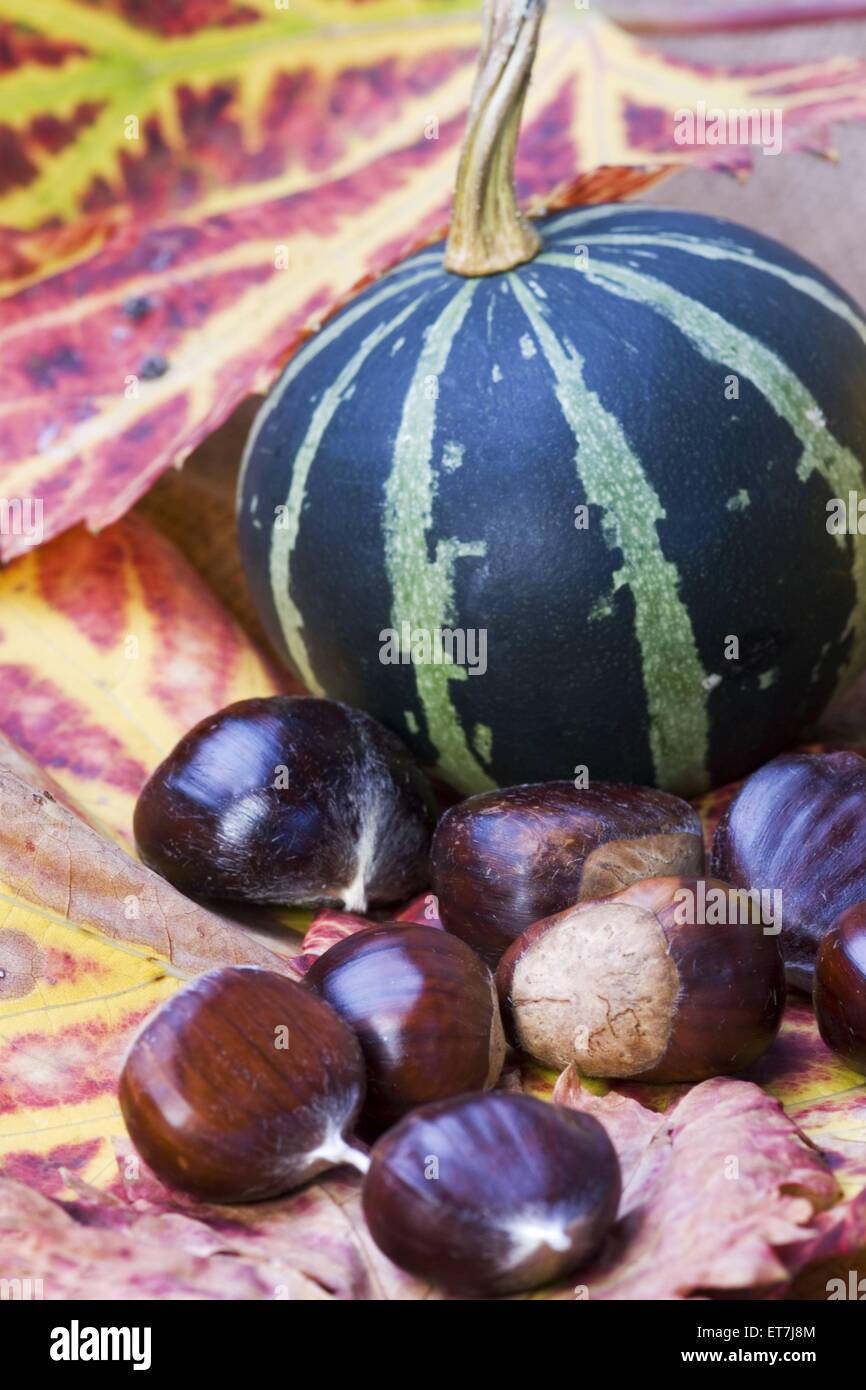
242, 1086
424, 1009
798, 826
491, 1194
840, 987
289, 800
504, 859
646, 984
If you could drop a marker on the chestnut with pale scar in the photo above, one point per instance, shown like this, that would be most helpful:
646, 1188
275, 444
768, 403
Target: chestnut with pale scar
624, 987
288, 800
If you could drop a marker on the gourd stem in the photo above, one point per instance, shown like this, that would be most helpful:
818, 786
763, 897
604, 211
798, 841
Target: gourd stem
488, 231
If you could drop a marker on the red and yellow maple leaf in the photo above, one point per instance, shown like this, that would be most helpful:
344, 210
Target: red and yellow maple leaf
111, 648
181, 198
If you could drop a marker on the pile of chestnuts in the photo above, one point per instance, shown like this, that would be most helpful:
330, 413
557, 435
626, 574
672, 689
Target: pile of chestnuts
578, 927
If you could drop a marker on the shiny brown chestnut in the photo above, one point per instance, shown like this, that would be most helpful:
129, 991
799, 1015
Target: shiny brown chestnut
492, 1194
289, 800
504, 859
840, 987
670, 980
424, 1009
797, 827
242, 1086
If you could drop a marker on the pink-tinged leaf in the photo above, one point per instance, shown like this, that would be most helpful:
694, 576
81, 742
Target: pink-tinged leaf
139, 1240
720, 1195
327, 928
330, 926
424, 910
129, 1257
831, 1266
739, 19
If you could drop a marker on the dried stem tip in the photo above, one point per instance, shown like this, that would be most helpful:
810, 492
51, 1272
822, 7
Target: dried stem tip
488, 232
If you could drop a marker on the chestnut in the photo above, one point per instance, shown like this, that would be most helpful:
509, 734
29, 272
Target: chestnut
241, 1086
289, 799
504, 859
424, 1009
797, 828
840, 987
670, 980
492, 1194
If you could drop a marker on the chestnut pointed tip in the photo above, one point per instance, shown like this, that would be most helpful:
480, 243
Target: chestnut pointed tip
354, 897
335, 1152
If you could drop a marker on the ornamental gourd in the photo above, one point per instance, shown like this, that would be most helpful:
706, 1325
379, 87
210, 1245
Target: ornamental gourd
567, 499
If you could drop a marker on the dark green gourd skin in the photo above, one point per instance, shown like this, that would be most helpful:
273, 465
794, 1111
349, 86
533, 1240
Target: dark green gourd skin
422, 457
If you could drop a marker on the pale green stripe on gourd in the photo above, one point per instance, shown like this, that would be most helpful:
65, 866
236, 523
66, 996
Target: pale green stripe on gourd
718, 251
423, 590
285, 530
613, 479
598, 212
724, 344
325, 336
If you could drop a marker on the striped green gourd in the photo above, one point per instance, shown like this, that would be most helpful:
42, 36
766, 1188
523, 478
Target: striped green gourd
604, 444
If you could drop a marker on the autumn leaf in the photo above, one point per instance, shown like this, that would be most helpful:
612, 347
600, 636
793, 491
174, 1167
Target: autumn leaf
326, 929
111, 648
330, 926
214, 112
821, 1095
718, 1193
309, 1246
145, 119
128, 1255
319, 1230
276, 159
